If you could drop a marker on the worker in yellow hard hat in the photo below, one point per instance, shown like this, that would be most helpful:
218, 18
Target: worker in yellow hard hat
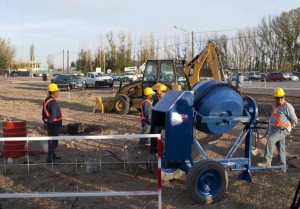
52, 119
160, 93
146, 113
282, 120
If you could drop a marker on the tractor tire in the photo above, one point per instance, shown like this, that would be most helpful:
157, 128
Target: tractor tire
206, 182
122, 104
166, 174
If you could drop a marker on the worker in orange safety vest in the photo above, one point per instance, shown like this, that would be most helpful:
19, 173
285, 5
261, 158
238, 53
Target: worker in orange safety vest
282, 120
52, 118
146, 113
160, 93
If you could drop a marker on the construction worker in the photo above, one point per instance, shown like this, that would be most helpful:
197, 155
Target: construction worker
160, 93
146, 112
229, 78
52, 119
239, 82
282, 120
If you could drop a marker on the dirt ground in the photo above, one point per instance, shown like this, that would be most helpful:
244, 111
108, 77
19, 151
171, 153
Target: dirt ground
22, 99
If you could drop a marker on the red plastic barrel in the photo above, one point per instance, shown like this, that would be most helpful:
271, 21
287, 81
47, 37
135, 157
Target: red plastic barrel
14, 129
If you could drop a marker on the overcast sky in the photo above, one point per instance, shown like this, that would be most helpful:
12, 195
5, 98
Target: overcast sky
71, 24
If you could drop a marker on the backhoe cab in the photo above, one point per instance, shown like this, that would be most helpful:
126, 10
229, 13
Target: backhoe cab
157, 72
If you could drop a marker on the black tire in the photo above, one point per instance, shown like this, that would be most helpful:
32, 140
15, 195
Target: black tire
111, 85
206, 182
122, 104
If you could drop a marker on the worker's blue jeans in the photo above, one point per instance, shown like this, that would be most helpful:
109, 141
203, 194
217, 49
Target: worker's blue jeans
145, 130
277, 138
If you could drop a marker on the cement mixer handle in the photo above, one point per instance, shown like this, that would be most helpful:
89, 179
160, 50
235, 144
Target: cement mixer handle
227, 120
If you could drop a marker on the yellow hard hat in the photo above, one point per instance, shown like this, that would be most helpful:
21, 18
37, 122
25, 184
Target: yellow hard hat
162, 88
53, 87
148, 91
278, 92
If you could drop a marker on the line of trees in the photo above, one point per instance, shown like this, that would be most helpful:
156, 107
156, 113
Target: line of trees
271, 46
7, 53
274, 45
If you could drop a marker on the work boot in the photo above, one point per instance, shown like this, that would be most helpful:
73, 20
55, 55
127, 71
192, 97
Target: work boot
264, 165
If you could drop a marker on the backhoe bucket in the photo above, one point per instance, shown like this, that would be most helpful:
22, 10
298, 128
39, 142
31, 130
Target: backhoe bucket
104, 104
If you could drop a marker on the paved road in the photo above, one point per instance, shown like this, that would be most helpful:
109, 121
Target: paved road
292, 88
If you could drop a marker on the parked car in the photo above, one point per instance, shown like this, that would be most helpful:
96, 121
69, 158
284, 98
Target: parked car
254, 75
286, 76
246, 77
293, 77
122, 77
68, 81
37, 74
139, 76
20, 74
95, 79
262, 75
273, 77
297, 74
130, 77
116, 77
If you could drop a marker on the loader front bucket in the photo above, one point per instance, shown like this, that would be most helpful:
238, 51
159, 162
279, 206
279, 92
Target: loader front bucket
104, 104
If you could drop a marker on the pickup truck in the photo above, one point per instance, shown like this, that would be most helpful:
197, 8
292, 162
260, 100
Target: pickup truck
96, 79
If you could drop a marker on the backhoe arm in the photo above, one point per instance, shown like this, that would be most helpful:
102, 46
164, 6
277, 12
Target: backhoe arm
210, 54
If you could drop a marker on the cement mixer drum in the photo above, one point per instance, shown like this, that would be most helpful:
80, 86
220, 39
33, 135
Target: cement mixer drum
217, 99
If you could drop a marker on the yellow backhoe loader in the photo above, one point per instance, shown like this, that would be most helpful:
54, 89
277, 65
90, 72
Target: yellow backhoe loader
172, 73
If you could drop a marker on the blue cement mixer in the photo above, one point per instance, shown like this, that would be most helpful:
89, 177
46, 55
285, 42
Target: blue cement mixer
212, 107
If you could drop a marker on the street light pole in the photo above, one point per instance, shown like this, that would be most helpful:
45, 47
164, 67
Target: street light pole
192, 44
177, 27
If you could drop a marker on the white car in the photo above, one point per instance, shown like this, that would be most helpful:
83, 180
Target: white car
130, 77
254, 75
116, 77
95, 79
292, 77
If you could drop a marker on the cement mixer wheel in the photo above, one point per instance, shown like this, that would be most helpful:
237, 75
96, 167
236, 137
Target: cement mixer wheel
206, 182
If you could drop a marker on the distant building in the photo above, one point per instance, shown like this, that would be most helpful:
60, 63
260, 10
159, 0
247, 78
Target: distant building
28, 66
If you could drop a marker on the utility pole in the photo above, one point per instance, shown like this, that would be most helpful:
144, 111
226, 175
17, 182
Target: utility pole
104, 62
68, 66
177, 27
192, 44
63, 62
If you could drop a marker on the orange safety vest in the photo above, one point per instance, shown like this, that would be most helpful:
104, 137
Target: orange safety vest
142, 112
279, 123
158, 97
48, 114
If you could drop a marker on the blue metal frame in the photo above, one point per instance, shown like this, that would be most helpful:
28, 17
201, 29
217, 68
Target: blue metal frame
180, 137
